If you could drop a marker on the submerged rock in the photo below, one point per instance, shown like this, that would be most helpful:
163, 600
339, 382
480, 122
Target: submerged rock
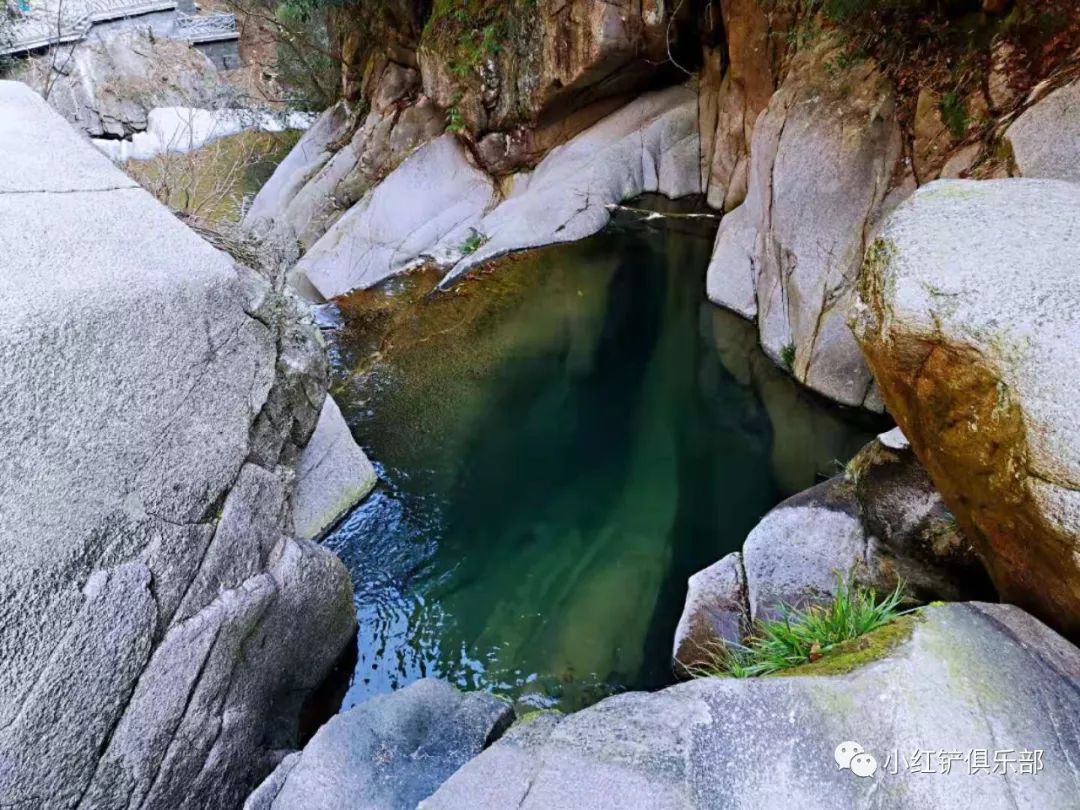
387, 753
969, 312
823, 154
161, 629
954, 679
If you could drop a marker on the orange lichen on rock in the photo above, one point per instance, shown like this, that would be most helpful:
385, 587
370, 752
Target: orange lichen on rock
967, 403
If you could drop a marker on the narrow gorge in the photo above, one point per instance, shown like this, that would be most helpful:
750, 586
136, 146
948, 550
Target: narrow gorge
540, 404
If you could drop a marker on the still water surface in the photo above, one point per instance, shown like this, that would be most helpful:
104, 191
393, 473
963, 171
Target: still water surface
561, 443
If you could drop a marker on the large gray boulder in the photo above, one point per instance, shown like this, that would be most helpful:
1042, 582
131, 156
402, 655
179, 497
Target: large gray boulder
434, 197
650, 144
503, 776
333, 475
387, 753
1045, 140
969, 314
159, 626
881, 522
975, 679
822, 157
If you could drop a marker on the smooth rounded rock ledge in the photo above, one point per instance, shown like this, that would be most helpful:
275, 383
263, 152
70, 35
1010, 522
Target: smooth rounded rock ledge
972, 678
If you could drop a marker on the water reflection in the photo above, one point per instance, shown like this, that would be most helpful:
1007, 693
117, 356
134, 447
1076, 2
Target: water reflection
562, 443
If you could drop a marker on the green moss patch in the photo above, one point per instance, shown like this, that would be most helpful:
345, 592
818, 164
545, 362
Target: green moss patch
858, 652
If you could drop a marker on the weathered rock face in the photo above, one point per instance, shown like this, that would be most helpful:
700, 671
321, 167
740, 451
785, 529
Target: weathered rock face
540, 60
757, 743
388, 753
310, 155
650, 144
1045, 140
968, 313
438, 206
336, 165
374, 35
716, 613
512, 757
913, 537
737, 80
543, 84
880, 523
160, 628
823, 155
109, 84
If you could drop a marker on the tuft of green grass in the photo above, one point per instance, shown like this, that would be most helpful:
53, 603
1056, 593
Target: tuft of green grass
787, 356
847, 656
955, 115
473, 242
455, 121
804, 636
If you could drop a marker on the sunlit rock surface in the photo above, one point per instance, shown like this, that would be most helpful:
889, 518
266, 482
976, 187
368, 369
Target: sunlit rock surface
968, 313
651, 145
435, 196
954, 679
1045, 140
823, 154
333, 475
160, 628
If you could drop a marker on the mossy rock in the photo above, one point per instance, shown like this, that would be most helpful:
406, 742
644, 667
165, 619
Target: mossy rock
858, 652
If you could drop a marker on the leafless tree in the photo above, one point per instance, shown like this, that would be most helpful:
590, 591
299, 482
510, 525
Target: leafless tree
54, 52
201, 182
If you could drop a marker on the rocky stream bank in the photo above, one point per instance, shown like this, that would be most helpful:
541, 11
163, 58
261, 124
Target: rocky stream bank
170, 455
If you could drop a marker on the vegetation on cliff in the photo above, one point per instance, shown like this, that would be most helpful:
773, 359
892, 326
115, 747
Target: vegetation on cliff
958, 49
816, 635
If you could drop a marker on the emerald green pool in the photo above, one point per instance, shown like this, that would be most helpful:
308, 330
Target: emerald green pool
562, 442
